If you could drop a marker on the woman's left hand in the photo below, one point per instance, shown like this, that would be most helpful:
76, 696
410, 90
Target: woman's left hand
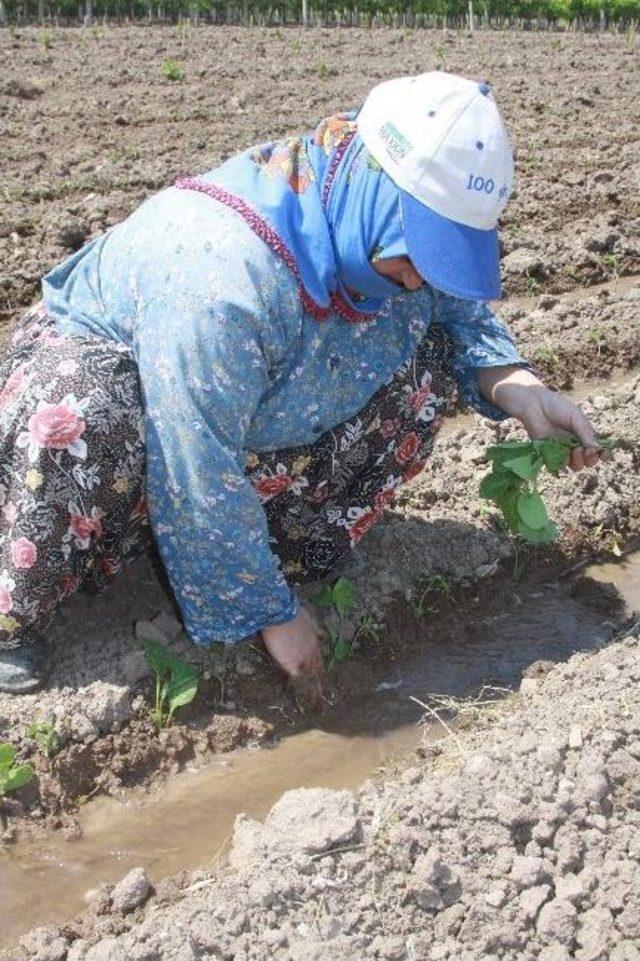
542, 412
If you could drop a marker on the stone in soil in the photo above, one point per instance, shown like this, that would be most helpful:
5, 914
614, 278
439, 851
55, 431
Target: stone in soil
437, 862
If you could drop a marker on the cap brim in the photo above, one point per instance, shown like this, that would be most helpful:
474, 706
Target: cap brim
459, 260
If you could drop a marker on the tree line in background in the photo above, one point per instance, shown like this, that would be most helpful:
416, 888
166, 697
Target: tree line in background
456, 14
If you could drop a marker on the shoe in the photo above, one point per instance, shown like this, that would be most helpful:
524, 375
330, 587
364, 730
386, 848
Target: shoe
24, 669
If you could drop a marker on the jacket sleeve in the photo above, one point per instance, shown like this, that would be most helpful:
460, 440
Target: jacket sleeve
479, 339
203, 369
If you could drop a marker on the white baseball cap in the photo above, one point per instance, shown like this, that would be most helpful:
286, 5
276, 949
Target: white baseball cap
442, 140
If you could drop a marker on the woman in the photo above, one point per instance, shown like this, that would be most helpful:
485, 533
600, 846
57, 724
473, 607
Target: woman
263, 356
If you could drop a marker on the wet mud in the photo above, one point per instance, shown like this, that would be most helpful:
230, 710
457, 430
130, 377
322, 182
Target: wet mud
479, 650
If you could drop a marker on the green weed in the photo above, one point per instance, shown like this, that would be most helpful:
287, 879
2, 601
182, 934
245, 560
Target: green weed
322, 71
546, 354
368, 628
598, 338
219, 654
339, 597
172, 70
512, 484
532, 285
427, 587
176, 681
46, 737
12, 776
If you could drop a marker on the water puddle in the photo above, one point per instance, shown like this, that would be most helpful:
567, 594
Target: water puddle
617, 288
189, 822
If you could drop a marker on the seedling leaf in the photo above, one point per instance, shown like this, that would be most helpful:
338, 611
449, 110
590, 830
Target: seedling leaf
343, 595
176, 680
341, 650
12, 776
324, 597
532, 511
496, 485
16, 778
499, 453
512, 483
554, 453
7, 756
526, 466
544, 535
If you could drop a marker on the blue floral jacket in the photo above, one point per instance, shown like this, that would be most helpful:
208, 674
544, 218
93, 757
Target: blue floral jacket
229, 362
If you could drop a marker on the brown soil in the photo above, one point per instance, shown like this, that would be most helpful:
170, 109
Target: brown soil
89, 128
100, 692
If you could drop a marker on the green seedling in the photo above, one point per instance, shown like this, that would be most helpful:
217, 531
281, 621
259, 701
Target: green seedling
598, 338
513, 483
339, 597
172, 70
219, 654
369, 628
426, 587
176, 681
546, 354
12, 776
322, 71
46, 737
532, 285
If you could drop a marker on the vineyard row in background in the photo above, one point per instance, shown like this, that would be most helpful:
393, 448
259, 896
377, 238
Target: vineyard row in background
456, 14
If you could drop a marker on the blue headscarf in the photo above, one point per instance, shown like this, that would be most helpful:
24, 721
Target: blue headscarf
326, 206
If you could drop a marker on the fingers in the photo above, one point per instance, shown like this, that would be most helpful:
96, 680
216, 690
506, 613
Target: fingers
307, 691
582, 457
583, 430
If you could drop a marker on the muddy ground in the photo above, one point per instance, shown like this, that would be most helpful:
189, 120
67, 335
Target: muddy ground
89, 127
516, 840
115, 131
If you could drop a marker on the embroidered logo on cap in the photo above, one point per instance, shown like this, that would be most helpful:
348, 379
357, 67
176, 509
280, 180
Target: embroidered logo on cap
396, 143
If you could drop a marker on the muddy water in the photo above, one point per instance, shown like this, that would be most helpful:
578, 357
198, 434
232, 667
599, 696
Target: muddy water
189, 823
617, 288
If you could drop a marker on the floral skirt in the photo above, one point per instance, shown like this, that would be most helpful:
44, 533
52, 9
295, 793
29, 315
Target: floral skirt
72, 469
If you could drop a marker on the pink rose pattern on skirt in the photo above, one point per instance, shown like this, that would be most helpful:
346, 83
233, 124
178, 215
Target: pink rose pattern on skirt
71, 472
321, 499
72, 498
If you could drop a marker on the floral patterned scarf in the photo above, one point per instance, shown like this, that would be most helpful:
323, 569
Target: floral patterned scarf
323, 203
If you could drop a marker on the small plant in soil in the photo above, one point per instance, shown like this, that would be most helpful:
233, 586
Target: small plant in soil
176, 681
368, 628
427, 587
547, 355
513, 483
46, 737
610, 261
598, 338
12, 776
339, 597
172, 70
219, 654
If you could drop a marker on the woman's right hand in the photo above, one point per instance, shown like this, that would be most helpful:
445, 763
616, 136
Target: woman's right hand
295, 648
